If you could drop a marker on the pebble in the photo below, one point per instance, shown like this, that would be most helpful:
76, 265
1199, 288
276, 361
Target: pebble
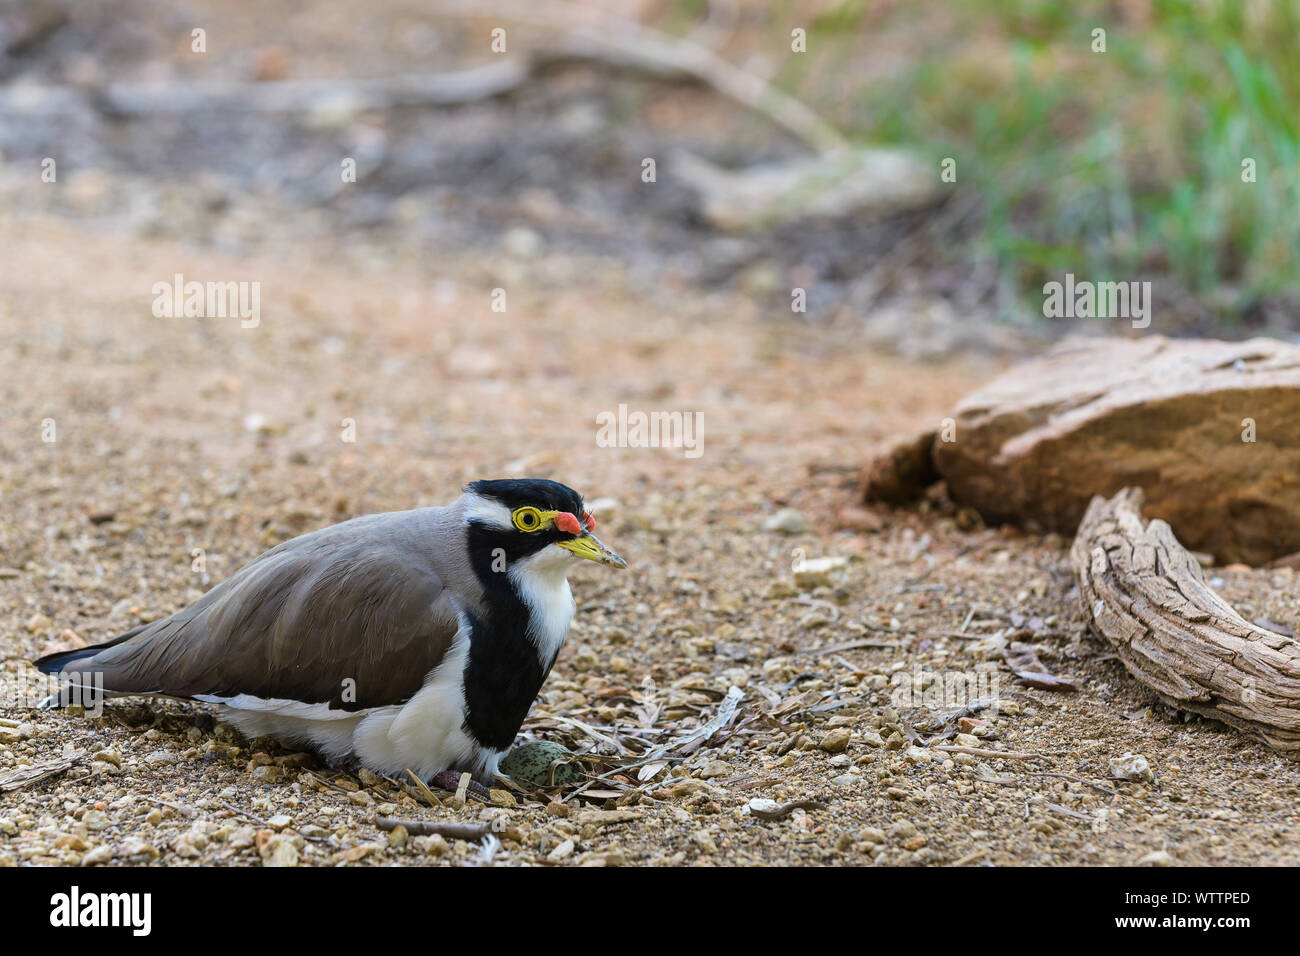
786, 521
819, 572
1157, 858
902, 830
967, 740
561, 852
836, 741
160, 758
360, 798
917, 755
872, 738
1134, 767
100, 854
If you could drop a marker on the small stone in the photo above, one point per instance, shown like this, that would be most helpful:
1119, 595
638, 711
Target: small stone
917, 755
967, 740
360, 798
847, 780
160, 758
561, 852
398, 837
136, 849
1133, 767
38, 624
1157, 858
279, 821
522, 243
872, 738
786, 521
837, 741
820, 572
902, 830
280, 851
871, 835
96, 820
716, 768
100, 854
895, 741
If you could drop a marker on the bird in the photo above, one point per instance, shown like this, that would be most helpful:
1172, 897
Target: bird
404, 641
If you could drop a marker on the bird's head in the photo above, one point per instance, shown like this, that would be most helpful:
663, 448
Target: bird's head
535, 520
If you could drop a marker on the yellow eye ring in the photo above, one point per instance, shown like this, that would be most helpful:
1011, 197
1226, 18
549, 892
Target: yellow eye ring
527, 519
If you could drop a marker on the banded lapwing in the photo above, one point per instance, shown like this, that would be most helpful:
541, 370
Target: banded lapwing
408, 640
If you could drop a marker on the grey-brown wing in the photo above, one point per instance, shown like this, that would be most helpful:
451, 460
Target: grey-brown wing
354, 622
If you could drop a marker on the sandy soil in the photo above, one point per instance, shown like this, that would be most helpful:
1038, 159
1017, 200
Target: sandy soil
173, 435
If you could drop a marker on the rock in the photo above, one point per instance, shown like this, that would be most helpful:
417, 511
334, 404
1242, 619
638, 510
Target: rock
967, 740
716, 768
38, 624
522, 243
917, 755
1176, 418
280, 851
901, 472
360, 798
820, 572
1134, 767
11, 735
837, 741
786, 521
96, 820
159, 758
561, 852
100, 854
862, 183
1156, 858
902, 830
872, 738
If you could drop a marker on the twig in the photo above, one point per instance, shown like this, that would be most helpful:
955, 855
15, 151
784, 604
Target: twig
1069, 776
785, 809
471, 832
26, 776
424, 790
979, 752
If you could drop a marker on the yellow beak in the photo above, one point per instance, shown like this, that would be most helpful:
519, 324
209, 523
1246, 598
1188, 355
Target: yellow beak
588, 546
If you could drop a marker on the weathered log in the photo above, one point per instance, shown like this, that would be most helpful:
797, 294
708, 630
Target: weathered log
1209, 430
1146, 596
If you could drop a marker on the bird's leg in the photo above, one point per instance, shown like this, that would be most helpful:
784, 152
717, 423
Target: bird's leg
449, 780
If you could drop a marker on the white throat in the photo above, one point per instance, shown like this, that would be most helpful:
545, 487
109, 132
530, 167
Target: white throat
540, 582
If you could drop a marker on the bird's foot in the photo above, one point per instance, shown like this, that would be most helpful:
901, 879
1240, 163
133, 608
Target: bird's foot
449, 780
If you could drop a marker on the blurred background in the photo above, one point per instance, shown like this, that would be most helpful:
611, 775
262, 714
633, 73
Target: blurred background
1120, 164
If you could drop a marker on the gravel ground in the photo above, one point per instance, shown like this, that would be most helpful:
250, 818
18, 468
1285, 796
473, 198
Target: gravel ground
193, 440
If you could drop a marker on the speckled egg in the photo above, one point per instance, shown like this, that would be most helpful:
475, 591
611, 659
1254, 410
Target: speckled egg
540, 763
